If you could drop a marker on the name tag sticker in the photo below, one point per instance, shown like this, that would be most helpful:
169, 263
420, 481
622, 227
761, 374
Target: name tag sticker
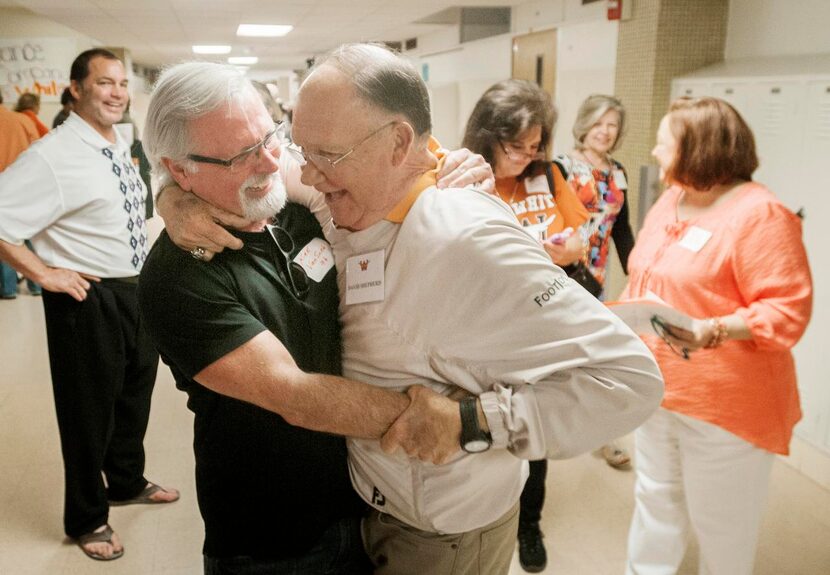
537, 184
316, 258
619, 179
364, 278
695, 239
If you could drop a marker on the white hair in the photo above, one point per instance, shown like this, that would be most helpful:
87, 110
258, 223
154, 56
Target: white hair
183, 93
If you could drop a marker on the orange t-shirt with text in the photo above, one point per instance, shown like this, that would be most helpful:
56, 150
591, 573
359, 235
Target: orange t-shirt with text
534, 206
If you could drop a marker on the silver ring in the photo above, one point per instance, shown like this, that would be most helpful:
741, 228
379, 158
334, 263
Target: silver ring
198, 253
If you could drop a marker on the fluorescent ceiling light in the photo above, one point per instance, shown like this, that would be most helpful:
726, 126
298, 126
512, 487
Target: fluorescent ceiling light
263, 30
243, 60
208, 49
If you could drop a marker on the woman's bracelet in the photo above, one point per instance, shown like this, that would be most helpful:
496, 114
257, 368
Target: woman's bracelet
720, 335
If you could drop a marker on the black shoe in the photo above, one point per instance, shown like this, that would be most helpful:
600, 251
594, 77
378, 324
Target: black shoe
532, 554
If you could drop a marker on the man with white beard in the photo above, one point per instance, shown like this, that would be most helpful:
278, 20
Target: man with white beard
253, 338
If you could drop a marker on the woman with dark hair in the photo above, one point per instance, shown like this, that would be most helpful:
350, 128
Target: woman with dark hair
720, 247
511, 126
67, 102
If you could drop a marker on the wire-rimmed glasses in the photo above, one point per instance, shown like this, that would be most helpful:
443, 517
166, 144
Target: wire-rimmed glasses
322, 162
663, 329
296, 274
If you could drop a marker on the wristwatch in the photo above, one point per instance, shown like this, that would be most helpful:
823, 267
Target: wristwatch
473, 438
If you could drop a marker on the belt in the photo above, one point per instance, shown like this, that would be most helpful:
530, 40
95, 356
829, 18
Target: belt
132, 280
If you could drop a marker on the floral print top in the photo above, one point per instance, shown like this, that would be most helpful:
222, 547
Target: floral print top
604, 195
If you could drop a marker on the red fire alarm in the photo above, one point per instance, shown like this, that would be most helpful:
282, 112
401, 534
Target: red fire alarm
615, 9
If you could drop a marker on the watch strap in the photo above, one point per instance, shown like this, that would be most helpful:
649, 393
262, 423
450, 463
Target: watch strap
470, 429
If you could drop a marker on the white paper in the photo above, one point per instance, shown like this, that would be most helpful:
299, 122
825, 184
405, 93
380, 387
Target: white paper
316, 258
695, 239
364, 278
637, 314
619, 179
537, 184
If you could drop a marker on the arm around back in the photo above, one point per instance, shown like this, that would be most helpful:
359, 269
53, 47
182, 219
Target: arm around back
262, 372
206, 327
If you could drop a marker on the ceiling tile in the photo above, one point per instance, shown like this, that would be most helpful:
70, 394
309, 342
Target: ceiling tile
162, 31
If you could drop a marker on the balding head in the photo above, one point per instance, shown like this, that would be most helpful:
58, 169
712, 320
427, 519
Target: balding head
383, 79
362, 119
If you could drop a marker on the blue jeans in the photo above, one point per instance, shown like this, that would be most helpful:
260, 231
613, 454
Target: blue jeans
8, 279
339, 552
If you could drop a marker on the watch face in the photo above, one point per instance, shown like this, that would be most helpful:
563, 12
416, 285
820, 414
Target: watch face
476, 446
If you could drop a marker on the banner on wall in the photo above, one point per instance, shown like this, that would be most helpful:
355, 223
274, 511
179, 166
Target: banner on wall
36, 65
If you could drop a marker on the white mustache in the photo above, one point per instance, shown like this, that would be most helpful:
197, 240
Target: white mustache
266, 206
257, 181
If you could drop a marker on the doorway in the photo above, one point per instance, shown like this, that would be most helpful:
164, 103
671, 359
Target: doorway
534, 59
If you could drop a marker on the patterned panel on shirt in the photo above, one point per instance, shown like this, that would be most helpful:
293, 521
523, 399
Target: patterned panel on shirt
132, 189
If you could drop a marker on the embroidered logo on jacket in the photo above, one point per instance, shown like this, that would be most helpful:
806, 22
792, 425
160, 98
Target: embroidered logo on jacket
553, 288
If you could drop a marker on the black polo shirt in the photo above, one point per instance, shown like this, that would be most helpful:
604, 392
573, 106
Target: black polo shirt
266, 488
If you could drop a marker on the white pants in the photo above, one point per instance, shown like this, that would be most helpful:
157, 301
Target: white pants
693, 473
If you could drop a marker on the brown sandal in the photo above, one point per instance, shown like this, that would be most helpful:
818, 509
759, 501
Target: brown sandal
104, 536
145, 497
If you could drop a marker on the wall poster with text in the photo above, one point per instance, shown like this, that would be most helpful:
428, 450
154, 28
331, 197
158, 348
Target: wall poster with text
37, 65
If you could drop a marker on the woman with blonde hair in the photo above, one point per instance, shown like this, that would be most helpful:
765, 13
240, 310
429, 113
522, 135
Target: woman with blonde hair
601, 184
719, 247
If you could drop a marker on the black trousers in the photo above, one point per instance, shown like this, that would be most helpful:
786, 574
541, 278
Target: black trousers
103, 371
533, 495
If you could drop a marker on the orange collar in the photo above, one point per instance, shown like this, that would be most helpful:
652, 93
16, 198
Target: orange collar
427, 179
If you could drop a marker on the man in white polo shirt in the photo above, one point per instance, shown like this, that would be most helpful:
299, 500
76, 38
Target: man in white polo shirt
78, 196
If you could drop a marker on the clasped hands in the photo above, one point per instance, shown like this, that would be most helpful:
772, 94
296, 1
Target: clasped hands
429, 429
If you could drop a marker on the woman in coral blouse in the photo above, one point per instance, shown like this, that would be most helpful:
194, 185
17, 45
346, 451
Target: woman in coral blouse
721, 248
511, 126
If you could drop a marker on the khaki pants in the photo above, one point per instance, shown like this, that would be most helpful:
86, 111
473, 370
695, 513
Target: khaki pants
399, 549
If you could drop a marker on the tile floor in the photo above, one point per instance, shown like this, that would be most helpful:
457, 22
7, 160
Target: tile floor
586, 517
